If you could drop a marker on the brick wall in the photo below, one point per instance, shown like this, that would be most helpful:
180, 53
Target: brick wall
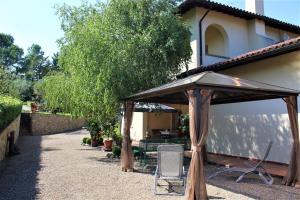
13, 126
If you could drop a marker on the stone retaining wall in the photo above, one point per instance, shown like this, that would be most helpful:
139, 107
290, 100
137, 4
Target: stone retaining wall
13, 126
44, 124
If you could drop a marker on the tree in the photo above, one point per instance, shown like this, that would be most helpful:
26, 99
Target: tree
6, 82
35, 65
54, 64
24, 89
10, 54
112, 50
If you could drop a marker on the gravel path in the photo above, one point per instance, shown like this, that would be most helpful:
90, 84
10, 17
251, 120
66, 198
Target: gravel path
58, 167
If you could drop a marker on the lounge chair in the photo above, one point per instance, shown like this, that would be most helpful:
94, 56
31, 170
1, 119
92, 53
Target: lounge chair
170, 167
252, 169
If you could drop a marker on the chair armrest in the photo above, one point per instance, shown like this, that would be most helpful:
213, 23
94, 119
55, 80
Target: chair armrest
184, 171
156, 170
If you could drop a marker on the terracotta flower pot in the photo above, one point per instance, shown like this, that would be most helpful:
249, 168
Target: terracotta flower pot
33, 107
108, 145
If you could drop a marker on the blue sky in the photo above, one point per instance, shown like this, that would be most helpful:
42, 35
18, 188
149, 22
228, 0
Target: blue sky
34, 21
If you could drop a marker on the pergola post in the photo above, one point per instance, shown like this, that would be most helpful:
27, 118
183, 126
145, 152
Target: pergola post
199, 106
293, 176
126, 153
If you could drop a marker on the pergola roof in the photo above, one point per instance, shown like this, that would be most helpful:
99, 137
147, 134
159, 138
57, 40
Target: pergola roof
227, 89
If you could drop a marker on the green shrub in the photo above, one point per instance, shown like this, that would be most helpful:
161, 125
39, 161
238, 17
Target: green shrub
100, 140
116, 151
84, 140
117, 136
136, 151
10, 108
89, 141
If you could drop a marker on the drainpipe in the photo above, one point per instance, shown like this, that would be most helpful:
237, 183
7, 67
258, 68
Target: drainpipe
200, 36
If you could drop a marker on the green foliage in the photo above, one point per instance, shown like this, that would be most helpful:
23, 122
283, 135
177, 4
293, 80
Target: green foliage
117, 136
100, 140
35, 65
24, 89
116, 151
93, 127
10, 54
136, 151
184, 123
18, 73
112, 50
6, 83
89, 141
10, 108
108, 129
84, 140
54, 64
12, 85
55, 90
39, 91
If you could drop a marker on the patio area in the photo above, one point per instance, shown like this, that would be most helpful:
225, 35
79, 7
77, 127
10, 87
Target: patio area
59, 167
200, 91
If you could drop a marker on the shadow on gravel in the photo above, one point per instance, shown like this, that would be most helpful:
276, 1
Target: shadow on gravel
88, 149
215, 197
51, 149
19, 178
252, 186
106, 160
77, 132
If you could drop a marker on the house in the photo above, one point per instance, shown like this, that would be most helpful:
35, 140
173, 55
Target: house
248, 45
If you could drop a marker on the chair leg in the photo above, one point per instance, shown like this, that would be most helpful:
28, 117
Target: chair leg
265, 179
155, 180
184, 185
155, 185
264, 175
219, 172
242, 176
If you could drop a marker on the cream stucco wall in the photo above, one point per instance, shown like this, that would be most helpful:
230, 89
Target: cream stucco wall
215, 41
278, 35
235, 29
143, 122
159, 121
137, 126
190, 18
243, 35
244, 129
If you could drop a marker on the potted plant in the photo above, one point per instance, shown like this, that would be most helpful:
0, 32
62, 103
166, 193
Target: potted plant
108, 131
34, 107
184, 127
94, 129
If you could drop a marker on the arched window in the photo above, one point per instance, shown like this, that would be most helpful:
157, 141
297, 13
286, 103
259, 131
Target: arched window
216, 41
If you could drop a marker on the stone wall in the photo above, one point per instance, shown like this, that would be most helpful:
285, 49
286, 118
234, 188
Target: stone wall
43, 124
13, 126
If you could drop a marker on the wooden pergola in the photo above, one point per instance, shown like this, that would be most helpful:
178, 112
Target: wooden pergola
199, 92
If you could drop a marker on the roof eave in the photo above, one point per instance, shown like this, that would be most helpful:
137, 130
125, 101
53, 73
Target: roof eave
190, 4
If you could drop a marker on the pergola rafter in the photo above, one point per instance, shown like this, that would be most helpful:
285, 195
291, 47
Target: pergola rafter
199, 92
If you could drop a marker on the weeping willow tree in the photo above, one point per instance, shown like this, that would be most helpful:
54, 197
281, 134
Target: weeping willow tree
112, 50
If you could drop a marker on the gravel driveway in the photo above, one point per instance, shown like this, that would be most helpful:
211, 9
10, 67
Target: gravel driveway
58, 167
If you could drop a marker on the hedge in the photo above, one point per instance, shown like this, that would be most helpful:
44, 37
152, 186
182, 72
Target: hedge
10, 108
